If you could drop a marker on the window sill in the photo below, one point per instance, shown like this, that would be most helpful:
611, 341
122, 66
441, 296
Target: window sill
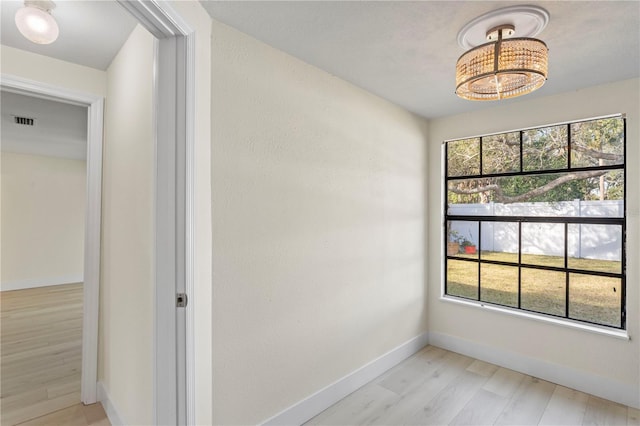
618, 334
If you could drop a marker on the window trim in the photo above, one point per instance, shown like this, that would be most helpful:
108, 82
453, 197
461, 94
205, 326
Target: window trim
543, 318
616, 331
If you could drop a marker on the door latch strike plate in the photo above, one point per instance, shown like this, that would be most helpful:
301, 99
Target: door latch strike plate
181, 300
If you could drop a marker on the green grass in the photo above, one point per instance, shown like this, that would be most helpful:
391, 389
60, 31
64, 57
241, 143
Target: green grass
591, 298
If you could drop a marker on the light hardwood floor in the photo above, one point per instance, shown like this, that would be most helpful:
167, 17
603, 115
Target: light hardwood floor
41, 352
76, 415
438, 387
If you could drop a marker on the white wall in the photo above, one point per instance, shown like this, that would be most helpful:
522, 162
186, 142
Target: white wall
126, 294
597, 363
318, 228
52, 71
43, 204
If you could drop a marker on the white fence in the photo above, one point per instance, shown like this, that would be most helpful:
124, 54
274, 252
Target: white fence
584, 241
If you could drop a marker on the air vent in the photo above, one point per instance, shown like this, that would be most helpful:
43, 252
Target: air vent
23, 121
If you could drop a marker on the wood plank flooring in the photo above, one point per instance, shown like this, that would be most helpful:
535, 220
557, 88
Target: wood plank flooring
438, 387
76, 415
41, 351
41, 360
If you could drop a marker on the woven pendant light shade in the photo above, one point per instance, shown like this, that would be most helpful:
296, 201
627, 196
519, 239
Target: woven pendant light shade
502, 59
502, 69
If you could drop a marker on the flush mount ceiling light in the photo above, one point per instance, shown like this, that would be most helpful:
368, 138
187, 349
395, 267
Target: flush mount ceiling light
511, 63
36, 23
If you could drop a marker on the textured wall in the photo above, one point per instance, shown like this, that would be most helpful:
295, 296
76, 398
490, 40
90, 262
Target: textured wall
318, 228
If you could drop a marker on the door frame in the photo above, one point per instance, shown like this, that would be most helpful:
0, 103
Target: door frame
174, 137
93, 211
174, 124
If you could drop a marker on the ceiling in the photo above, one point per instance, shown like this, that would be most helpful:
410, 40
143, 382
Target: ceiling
406, 51
59, 129
91, 32
403, 51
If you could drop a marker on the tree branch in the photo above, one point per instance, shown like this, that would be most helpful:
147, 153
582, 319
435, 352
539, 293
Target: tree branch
597, 154
491, 187
501, 198
618, 158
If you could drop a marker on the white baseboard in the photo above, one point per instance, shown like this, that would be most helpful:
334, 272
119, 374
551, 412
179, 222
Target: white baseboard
318, 402
603, 387
40, 282
112, 413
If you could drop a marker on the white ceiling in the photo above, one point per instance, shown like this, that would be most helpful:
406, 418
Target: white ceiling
403, 51
91, 32
406, 51
59, 130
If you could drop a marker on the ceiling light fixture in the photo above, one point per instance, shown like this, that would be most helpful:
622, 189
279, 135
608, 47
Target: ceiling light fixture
511, 63
36, 23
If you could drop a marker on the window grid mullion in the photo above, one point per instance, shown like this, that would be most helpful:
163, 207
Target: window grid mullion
566, 267
446, 214
623, 281
603, 220
541, 219
479, 263
481, 142
480, 155
519, 265
521, 151
569, 146
610, 167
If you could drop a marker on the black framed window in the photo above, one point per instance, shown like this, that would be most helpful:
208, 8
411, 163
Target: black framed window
536, 220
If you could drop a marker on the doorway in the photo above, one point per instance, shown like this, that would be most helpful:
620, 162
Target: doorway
173, 213
44, 145
90, 253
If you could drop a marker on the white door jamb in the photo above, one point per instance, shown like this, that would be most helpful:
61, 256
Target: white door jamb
174, 98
